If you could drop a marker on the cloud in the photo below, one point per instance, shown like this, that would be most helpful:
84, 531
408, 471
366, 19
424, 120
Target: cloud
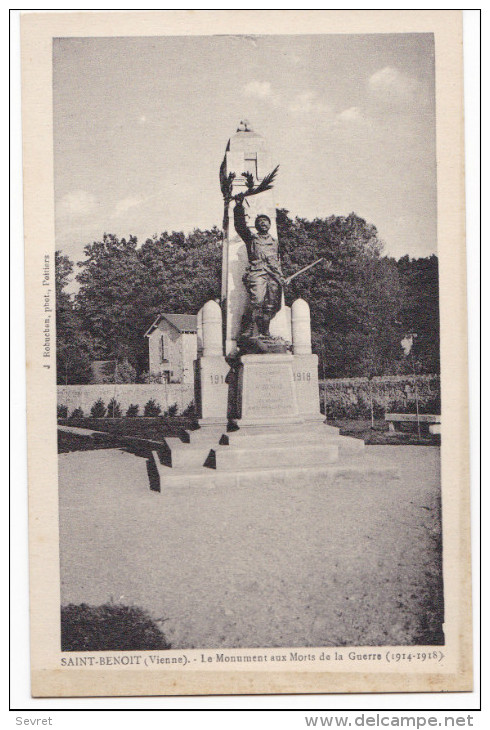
76, 204
308, 102
352, 114
393, 85
122, 206
259, 89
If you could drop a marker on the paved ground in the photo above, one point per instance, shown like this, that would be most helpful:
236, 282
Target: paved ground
351, 564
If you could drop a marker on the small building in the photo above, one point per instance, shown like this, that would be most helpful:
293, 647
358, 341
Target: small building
172, 347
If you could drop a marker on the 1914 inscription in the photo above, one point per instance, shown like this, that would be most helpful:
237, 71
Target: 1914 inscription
217, 379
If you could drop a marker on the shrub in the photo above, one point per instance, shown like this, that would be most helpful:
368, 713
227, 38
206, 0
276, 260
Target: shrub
77, 413
132, 411
171, 411
62, 411
118, 372
114, 409
110, 627
190, 411
152, 408
351, 397
98, 409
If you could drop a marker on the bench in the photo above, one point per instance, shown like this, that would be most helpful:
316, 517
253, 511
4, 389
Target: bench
432, 423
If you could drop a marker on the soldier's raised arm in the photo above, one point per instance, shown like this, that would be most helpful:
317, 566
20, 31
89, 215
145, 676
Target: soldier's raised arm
240, 221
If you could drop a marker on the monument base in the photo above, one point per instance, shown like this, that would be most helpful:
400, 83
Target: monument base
206, 453
355, 469
260, 419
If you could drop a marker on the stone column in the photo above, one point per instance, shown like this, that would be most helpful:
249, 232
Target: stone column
305, 367
301, 328
212, 370
211, 329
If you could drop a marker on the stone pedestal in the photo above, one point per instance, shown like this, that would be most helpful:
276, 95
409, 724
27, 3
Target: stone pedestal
213, 381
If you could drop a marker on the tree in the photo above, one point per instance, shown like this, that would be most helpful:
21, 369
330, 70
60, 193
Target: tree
108, 301
361, 301
183, 272
420, 312
353, 303
118, 372
74, 350
124, 288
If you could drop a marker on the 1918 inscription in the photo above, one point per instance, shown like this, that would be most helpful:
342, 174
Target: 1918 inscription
302, 376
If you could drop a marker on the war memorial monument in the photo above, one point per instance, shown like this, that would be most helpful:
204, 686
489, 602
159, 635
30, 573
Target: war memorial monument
256, 379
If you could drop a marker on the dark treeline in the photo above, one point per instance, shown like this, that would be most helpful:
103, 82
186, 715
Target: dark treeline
361, 307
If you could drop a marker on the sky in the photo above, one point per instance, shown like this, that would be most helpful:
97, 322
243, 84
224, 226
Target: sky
141, 126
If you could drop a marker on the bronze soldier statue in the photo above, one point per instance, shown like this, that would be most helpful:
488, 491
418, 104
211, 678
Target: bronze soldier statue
263, 280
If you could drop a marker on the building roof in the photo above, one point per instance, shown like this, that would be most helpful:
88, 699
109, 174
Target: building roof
181, 322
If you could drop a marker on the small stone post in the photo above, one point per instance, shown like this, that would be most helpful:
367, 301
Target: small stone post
305, 364
301, 328
212, 370
212, 332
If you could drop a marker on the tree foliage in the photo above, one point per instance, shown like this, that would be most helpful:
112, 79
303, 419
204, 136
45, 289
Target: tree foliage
362, 302
420, 311
74, 344
355, 302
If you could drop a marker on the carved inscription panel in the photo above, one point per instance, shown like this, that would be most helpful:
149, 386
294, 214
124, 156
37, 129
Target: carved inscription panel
268, 390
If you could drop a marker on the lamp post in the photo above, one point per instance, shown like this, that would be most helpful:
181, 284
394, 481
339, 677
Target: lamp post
407, 344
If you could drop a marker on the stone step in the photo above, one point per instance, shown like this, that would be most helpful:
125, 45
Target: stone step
198, 448
234, 457
352, 473
307, 432
183, 455
320, 436
202, 436
243, 439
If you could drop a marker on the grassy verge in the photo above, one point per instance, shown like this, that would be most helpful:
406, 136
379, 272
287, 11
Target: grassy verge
380, 435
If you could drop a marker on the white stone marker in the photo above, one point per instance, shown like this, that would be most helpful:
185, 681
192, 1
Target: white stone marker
212, 332
305, 368
301, 327
212, 370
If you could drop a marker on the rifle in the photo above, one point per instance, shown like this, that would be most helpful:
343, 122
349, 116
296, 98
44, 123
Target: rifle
305, 268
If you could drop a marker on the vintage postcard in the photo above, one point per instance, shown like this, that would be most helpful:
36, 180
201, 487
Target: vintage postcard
246, 366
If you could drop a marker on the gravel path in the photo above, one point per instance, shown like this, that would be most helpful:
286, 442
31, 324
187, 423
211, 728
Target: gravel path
351, 564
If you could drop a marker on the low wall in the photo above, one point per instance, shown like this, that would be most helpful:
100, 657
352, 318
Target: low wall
345, 397
165, 394
351, 397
